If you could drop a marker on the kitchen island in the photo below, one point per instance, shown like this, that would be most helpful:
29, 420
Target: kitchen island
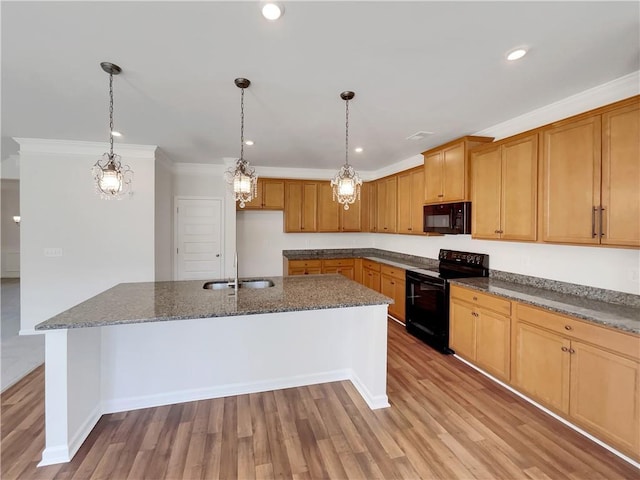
140, 345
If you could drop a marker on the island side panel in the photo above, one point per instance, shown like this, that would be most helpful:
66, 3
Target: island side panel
73, 393
160, 363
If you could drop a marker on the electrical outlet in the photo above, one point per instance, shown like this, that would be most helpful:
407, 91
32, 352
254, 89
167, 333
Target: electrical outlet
52, 252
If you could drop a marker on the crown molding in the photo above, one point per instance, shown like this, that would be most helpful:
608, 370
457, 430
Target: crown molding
198, 169
74, 147
610, 92
406, 164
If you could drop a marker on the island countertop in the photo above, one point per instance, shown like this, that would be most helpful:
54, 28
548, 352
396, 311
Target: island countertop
182, 300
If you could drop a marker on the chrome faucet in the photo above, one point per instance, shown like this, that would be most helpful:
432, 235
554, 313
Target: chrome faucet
234, 283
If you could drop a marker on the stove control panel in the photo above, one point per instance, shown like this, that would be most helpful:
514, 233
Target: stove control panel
464, 258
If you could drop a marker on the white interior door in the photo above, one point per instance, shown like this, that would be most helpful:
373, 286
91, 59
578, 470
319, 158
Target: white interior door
198, 239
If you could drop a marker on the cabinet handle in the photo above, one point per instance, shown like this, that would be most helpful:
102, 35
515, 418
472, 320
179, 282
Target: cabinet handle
593, 223
564, 349
496, 231
393, 283
475, 299
500, 231
601, 216
568, 327
440, 195
409, 228
571, 350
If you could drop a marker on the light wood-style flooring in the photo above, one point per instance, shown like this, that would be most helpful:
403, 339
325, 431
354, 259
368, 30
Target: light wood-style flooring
446, 421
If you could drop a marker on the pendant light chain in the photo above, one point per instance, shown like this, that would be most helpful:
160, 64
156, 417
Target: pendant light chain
242, 125
346, 141
111, 115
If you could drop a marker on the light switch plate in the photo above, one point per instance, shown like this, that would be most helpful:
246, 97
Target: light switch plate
52, 252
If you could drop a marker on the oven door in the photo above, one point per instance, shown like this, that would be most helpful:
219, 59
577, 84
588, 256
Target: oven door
427, 310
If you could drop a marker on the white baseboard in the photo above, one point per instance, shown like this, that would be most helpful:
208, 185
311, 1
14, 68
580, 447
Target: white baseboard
374, 402
180, 396
64, 453
554, 415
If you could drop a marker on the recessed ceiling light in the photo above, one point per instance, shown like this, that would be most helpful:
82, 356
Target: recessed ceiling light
272, 10
116, 134
516, 54
359, 149
248, 142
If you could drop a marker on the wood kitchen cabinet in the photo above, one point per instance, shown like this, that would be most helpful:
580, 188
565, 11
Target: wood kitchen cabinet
343, 266
393, 285
480, 330
446, 170
304, 267
369, 207
270, 195
301, 206
332, 217
371, 274
587, 373
410, 189
590, 168
386, 201
504, 189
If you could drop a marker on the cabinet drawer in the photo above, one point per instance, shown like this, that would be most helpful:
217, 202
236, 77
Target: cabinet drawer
371, 265
484, 300
625, 343
304, 263
339, 262
394, 272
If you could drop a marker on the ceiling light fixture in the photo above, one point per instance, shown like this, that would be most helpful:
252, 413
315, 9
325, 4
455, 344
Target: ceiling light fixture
242, 179
346, 184
113, 179
359, 149
272, 10
248, 142
516, 54
116, 134
16, 218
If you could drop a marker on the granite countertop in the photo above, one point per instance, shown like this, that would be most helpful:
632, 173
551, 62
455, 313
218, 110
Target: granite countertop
621, 317
161, 301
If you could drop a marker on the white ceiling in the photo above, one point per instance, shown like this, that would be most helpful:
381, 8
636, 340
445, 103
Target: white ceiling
435, 66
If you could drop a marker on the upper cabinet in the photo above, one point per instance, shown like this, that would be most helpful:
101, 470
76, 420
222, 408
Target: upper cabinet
386, 200
301, 206
590, 170
504, 178
446, 170
332, 216
270, 195
410, 201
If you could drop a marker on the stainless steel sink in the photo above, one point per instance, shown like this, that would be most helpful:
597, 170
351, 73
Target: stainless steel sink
258, 283
252, 283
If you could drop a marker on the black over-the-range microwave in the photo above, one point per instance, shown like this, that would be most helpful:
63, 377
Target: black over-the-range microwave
454, 218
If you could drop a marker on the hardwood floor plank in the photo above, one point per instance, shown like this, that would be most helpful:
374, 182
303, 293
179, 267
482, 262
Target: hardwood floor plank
446, 421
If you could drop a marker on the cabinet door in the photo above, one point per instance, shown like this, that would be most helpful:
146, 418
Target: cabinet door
493, 343
462, 329
486, 173
519, 209
391, 192
256, 202
293, 206
387, 288
309, 207
297, 270
404, 202
604, 395
351, 219
381, 206
328, 209
620, 176
417, 200
433, 178
400, 296
369, 207
272, 193
571, 181
541, 366
454, 184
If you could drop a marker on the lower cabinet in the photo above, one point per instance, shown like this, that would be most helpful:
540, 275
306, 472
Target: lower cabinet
371, 275
343, 266
304, 267
480, 330
393, 285
594, 385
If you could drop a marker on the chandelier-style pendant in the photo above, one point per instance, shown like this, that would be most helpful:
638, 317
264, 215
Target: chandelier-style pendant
346, 184
113, 180
242, 179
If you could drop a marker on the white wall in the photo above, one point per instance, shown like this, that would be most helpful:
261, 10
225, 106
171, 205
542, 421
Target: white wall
103, 242
10, 200
163, 218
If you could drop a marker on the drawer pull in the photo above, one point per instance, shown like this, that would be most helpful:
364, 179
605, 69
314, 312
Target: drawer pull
571, 350
568, 327
475, 299
564, 349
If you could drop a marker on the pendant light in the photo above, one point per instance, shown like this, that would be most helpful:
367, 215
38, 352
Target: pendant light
113, 180
242, 179
346, 184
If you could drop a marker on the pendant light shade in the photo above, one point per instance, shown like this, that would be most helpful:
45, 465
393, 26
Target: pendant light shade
346, 184
242, 179
112, 179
